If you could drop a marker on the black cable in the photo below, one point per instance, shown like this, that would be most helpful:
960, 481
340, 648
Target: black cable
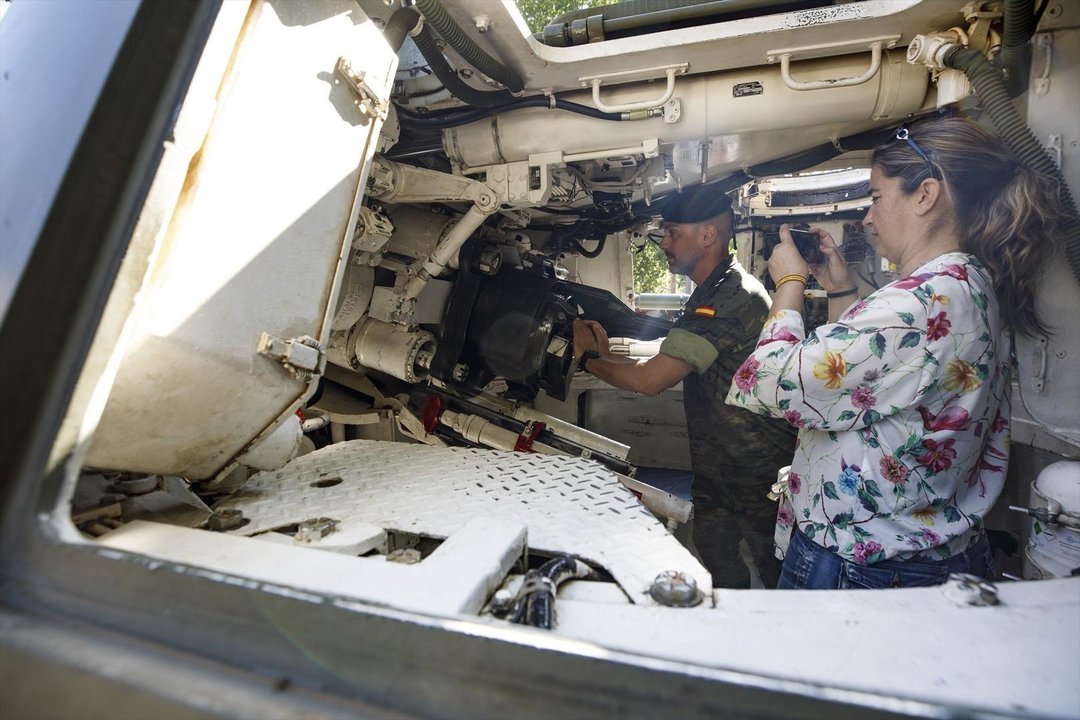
867, 281
425, 42
454, 118
590, 254
1040, 11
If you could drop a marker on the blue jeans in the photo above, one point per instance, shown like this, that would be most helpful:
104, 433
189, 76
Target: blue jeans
808, 566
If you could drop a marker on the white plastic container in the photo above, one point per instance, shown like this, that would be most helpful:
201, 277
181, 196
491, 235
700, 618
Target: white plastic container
1054, 550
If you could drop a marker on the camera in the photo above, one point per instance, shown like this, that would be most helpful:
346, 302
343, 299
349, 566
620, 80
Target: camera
809, 246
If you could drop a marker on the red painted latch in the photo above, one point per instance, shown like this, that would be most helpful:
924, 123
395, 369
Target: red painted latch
432, 412
528, 436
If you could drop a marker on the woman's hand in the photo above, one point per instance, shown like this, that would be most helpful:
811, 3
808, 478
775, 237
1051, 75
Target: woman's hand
785, 258
833, 275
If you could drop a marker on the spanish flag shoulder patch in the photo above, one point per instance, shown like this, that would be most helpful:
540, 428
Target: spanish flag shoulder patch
705, 311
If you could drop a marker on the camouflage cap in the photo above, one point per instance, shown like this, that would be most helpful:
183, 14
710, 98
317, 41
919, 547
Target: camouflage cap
695, 205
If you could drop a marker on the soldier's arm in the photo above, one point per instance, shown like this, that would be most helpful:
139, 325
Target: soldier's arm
648, 377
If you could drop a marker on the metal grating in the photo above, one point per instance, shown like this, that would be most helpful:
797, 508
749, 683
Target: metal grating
569, 505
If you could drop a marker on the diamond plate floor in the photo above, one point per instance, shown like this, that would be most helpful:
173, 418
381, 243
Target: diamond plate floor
569, 505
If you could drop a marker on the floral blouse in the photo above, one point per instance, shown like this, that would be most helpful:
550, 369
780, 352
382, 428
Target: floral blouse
903, 414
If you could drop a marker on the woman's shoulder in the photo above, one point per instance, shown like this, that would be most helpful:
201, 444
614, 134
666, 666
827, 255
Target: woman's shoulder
954, 279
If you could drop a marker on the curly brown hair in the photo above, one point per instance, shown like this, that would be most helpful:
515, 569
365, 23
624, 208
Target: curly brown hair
1010, 215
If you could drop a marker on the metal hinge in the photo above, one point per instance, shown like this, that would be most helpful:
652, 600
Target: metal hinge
303, 357
367, 99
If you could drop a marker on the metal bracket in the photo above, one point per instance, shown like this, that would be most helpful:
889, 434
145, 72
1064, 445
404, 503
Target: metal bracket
1041, 84
1038, 377
303, 357
672, 111
1056, 147
367, 99
373, 231
971, 590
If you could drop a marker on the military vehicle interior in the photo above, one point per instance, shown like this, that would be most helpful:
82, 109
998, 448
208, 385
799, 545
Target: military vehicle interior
337, 359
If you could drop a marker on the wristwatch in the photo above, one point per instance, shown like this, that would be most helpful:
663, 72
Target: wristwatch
585, 358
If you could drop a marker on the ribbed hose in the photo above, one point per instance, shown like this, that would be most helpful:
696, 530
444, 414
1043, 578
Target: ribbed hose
455, 85
399, 26
1015, 57
540, 608
991, 89
446, 27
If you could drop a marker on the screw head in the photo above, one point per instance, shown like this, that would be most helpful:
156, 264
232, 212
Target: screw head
675, 589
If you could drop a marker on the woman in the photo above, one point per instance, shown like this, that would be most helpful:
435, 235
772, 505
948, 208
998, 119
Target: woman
903, 400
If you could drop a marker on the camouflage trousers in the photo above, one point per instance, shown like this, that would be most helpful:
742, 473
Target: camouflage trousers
727, 511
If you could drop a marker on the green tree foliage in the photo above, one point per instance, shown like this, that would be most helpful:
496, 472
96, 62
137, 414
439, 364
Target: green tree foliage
537, 13
650, 270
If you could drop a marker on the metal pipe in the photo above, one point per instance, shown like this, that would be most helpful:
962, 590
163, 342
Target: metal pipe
478, 430
447, 249
660, 301
392, 349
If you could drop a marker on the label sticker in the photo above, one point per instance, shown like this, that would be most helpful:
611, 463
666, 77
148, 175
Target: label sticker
744, 89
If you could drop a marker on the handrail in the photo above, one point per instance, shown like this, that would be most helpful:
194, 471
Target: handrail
630, 75
785, 73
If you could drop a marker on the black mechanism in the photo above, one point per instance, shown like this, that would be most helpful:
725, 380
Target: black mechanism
618, 320
521, 329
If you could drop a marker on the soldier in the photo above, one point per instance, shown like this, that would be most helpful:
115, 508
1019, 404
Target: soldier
734, 454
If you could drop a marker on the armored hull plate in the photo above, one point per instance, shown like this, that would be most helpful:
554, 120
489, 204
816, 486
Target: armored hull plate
570, 505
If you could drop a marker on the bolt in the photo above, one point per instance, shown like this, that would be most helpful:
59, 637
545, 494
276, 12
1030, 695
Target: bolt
1053, 11
315, 529
460, 372
224, 520
675, 589
465, 73
490, 261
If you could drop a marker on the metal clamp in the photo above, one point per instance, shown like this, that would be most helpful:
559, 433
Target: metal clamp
367, 100
302, 357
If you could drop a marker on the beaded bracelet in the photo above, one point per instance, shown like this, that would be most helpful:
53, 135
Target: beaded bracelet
794, 277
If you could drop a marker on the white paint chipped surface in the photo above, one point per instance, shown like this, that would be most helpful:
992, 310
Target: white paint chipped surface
455, 579
569, 505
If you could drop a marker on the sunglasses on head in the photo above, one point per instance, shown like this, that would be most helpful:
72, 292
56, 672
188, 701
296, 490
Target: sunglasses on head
903, 134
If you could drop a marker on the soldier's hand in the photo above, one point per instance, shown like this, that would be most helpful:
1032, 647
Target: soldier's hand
584, 339
603, 344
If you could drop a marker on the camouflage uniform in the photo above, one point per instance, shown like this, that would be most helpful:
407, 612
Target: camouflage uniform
734, 454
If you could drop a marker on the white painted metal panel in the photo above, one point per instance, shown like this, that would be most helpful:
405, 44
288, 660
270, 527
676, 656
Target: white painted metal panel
569, 505
1049, 381
255, 244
